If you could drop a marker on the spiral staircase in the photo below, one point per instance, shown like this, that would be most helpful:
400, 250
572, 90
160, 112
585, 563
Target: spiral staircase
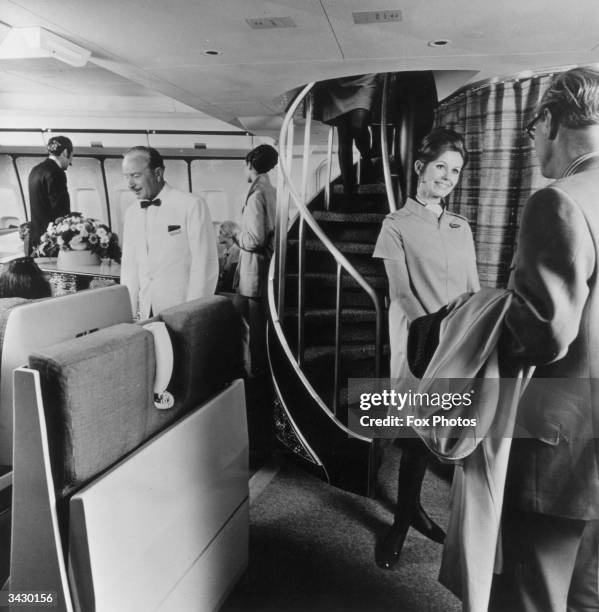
327, 305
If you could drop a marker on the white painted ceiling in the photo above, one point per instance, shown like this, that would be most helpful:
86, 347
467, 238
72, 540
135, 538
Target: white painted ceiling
151, 54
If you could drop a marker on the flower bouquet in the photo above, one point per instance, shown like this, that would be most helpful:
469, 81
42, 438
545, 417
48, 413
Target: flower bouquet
74, 232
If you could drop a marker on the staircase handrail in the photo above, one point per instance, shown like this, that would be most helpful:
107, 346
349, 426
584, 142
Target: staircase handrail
278, 330
385, 151
307, 216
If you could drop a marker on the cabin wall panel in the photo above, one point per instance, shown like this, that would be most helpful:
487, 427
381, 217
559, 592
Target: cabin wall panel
11, 205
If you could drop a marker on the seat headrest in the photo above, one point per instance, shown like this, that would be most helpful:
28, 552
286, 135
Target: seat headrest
207, 344
96, 390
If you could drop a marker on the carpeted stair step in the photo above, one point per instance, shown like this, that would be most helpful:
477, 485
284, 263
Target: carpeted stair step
370, 218
357, 361
354, 248
320, 290
349, 227
318, 258
322, 261
365, 198
370, 190
358, 325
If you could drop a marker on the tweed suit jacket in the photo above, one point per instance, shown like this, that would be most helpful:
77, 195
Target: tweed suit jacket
553, 323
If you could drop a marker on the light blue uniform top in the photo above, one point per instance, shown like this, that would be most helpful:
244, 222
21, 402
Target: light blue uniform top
429, 260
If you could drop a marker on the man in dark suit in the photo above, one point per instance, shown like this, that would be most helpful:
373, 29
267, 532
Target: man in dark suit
48, 195
551, 510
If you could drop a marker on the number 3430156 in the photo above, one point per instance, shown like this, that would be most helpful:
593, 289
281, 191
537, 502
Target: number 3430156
28, 598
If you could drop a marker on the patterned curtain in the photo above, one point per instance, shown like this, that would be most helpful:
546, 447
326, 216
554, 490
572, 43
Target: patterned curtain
502, 171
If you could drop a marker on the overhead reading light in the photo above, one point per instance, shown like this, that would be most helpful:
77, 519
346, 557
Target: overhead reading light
35, 42
442, 42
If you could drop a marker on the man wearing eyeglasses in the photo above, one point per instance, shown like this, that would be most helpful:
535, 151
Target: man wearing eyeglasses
48, 194
551, 509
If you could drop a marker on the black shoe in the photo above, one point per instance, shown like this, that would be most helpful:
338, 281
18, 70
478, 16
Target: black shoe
423, 523
387, 552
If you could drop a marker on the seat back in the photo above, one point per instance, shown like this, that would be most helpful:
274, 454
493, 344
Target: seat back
26, 325
135, 495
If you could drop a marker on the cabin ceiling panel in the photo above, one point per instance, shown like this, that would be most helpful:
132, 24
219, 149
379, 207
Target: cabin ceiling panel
49, 72
481, 28
162, 34
248, 107
17, 84
148, 48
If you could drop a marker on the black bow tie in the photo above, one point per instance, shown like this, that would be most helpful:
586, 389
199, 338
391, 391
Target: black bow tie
146, 203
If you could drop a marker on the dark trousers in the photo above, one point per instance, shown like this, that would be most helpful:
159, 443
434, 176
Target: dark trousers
258, 386
353, 127
551, 565
254, 312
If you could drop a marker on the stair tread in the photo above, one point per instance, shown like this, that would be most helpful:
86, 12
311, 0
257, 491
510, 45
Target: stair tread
360, 313
361, 248
354, 351
367, 189
352, 217
376, 281
351, 350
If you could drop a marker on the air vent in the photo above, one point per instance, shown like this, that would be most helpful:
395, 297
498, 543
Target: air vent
362, 17
269, 23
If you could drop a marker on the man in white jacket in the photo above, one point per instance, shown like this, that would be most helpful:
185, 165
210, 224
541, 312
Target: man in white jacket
169, 247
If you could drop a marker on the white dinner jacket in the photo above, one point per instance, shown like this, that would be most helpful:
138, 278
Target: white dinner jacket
169, 252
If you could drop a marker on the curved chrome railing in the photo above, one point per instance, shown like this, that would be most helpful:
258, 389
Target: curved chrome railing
287, 193
385, 151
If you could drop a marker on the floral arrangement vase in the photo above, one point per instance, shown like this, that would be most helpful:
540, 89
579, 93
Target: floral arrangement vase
67, 260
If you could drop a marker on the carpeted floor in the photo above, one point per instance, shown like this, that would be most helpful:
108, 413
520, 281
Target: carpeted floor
312, 549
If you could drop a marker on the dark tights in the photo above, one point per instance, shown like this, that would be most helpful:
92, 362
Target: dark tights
353, 127
408, 511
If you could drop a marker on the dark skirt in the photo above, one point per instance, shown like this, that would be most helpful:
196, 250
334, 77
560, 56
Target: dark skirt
336, 97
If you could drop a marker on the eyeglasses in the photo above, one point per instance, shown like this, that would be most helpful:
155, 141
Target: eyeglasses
531, 127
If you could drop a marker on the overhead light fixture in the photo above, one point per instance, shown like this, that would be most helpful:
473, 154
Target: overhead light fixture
36, 42
441, 42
